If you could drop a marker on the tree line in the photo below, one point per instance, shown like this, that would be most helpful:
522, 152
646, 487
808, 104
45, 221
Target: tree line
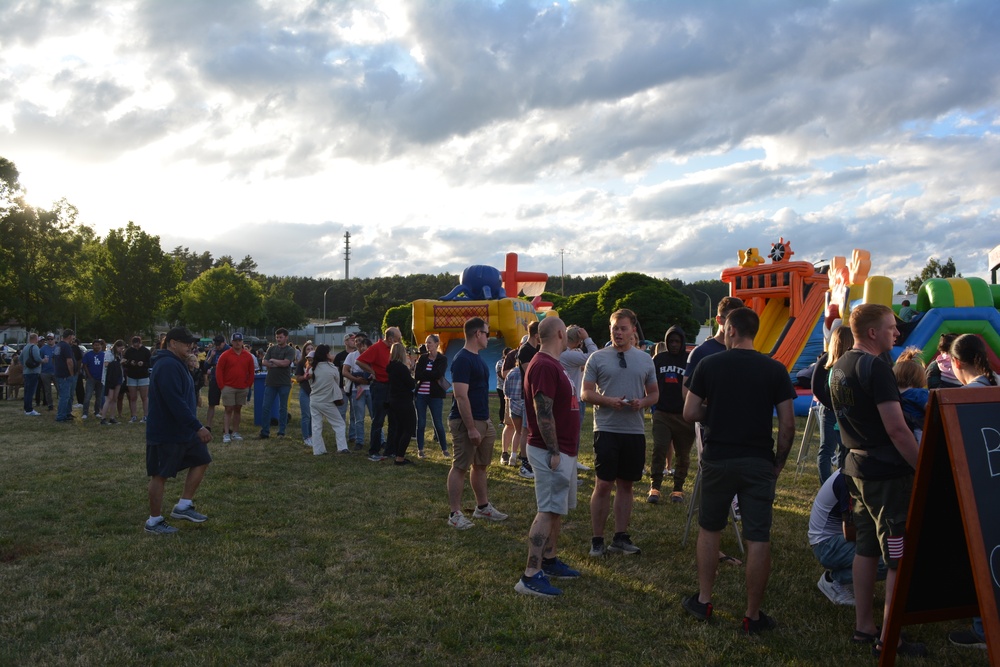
57, 273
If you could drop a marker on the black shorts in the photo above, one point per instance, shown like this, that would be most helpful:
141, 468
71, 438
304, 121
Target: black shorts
619, 456
752, 480
166, 460
214, 393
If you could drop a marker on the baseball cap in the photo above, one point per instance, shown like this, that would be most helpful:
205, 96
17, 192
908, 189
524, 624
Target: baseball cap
236, 336
181, 334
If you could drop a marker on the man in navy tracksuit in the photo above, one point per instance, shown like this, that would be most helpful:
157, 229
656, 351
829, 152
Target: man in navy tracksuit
175, 439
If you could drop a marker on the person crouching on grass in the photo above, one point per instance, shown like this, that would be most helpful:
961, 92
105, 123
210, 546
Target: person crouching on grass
175, 439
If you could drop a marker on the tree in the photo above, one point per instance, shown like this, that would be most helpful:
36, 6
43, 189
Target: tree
934, 269
137, 278
579, 309
658, 308
657, 305
221, 299
192, 264
42, 269
280, 309
402, 317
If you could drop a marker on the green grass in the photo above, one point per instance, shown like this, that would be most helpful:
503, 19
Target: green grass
323, 560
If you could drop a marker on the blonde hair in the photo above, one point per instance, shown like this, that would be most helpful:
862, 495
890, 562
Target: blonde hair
841, 340
398, 353
909, 369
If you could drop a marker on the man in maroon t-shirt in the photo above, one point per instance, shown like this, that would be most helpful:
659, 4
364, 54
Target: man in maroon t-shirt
551, 410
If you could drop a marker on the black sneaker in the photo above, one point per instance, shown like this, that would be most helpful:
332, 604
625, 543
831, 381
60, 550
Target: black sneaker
263, 436
966, 638
622, 544
905, 648
762, 624
700, 610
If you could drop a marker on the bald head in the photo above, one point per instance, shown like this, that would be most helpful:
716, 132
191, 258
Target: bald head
552, 336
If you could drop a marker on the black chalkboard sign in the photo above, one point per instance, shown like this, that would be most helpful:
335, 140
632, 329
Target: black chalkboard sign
951, 563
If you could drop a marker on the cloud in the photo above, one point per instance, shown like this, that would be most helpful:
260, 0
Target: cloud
644, 135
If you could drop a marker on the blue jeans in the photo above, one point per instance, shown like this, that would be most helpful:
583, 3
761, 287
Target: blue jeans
837, 555
94, 389
306, 414
270, 393
380, 396
30, 386
65, 387
829, 443
358, 408
435, 405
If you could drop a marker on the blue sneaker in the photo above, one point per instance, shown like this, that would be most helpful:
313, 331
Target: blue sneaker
189, 514
559, 570
537, 585
160, 528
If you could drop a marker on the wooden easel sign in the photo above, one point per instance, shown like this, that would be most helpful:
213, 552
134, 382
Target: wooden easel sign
951, 564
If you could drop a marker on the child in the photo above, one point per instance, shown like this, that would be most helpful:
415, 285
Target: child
912, 382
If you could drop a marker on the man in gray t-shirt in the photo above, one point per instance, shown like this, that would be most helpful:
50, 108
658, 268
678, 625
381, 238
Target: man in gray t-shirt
620, 382
278, 360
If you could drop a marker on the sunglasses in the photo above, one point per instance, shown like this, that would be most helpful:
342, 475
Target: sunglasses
621, 360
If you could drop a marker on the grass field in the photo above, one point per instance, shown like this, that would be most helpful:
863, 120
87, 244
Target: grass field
337, 560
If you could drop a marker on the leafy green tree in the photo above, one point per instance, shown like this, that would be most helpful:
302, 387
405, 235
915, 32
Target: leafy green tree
658, 308
934, 269
138, 278
280, 309
192, 264
41, 265
579, 309
402, 317
220, 300
376, 303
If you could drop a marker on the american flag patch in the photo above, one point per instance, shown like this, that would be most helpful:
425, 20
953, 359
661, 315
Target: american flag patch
895, 548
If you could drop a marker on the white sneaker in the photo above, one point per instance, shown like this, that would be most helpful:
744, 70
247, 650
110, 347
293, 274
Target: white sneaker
489, 512
308, 442
237, 437
83, 416
226, 438
33, 413
460, 522
836, 593
78, 406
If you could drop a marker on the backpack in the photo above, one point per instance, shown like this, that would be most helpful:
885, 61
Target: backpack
31, 362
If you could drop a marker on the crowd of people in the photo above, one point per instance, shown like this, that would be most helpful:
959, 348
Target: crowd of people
872, 412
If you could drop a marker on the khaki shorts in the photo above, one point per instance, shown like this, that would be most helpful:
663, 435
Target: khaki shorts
467, 454
231, 396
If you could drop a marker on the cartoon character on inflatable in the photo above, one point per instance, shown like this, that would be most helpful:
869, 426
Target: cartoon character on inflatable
478, 282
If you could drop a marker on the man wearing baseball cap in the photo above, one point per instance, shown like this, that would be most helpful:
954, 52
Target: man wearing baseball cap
175, 439
234, 375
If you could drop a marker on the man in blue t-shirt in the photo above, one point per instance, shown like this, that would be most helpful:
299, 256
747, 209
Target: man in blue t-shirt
48, 371
93, 373
472, 432
64, 364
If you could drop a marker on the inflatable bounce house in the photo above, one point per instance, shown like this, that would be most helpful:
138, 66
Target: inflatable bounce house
799, 304
483, 292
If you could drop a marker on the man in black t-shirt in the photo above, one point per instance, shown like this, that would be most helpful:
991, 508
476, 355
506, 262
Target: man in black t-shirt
734, 394
881, 462
669, 426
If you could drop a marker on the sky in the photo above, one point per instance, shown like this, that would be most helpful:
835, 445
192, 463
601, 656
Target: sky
589, 137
